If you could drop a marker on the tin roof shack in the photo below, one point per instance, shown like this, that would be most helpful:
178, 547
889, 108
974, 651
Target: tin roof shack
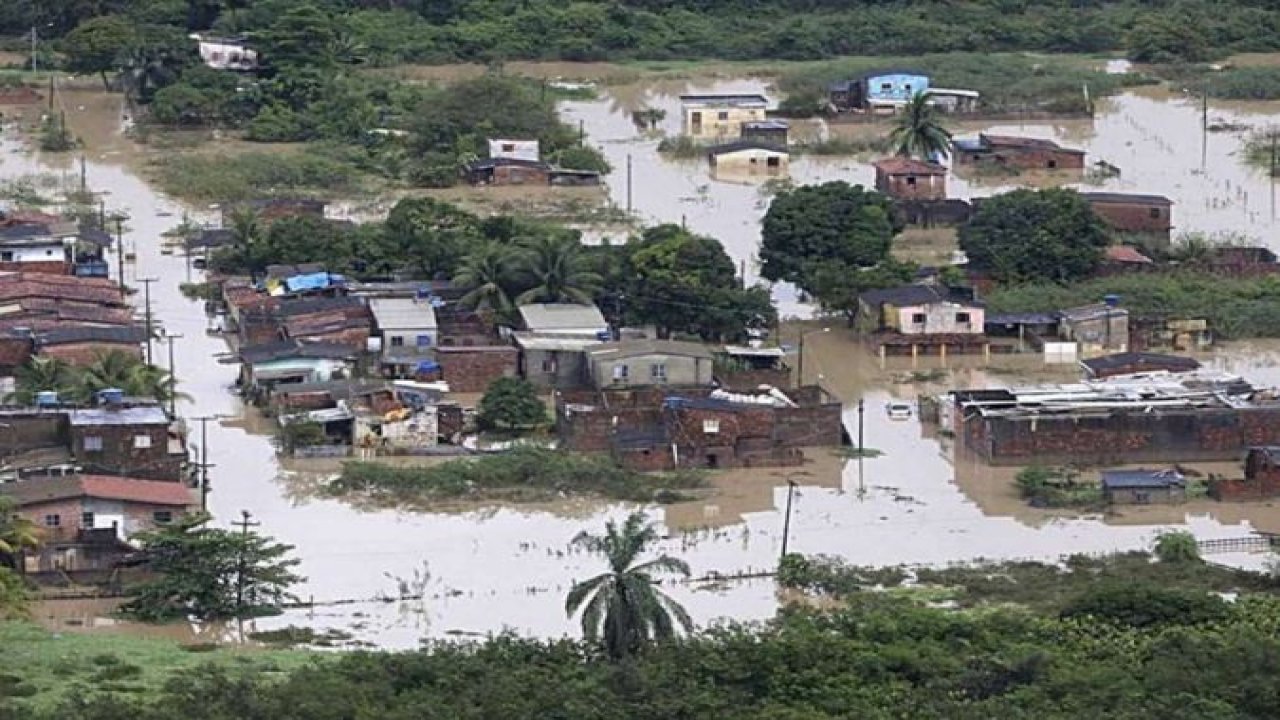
1143, 487
1021, 153
720, 116
266, 365
1096, 329
1261, 477
507, 171
133, 441
952, 100
470, 368
407, 332
747, 157
80, 345
639, 363
527, 150
1148, 218
565, 319
906, 318
878, 91
294, 397
1160, 418
1130, 363
746, 368
774, 132
224, 53
37, 248
904, 178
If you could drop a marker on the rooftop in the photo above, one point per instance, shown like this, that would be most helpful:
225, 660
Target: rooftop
1126, 254
917, 294
560, 317
120, 334
844, 85
1018, 142
899, 165
142, 415
294, 348
766, 125
1126, 198
555, 343
727, 100
1172, 363
740, 145
1140, 478
635, 348
402, 313
1143, 392
37, 491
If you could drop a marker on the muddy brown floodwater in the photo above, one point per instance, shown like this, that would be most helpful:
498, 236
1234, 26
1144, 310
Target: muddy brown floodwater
485, 570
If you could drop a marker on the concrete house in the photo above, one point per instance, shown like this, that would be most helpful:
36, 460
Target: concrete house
66, 504
407, 330
922, 310
80, 345
641, 363
1148, 217
774, 132
1022, 153
1096, 329
133, 441
555, 339
905, 178
884, 90
748, 157
265, 365
515, 150
507, 171
222, 53
720, 116
1143, 487
36, 248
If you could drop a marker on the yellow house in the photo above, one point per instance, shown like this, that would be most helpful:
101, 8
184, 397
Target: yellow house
747, 158
720, 116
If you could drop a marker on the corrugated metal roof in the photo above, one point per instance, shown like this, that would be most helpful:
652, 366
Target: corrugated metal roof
1141, 478
633, 348
560, 317
146, 415
403, 314
561, 343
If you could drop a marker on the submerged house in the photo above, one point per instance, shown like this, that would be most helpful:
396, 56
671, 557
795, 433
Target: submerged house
904, 178
721, 115
1130, 363
748, 156
1021, 153
883, 90
1146, 217
1143, 487
910, 317
774, 132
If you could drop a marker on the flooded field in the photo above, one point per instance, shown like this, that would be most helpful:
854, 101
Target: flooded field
481, 570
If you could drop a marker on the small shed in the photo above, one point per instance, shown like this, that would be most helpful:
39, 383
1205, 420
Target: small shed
1128, 363
1143, 486
770, 131
750, 155
1013, 151
507, 171
910, 179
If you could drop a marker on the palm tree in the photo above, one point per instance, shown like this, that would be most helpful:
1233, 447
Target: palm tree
121, 370
486, 273
42, 374
623, 607
16, 533
919, 132
557, 270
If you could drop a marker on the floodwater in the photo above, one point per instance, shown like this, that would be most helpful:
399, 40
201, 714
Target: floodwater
484, 569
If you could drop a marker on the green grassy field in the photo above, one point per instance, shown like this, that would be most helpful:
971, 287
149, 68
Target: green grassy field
40, 669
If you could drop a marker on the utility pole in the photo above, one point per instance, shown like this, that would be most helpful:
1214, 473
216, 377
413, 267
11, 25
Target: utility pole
204, 458
173, 379
786, 517
628, 183
34, 39
146, 293
244, 525
120, 251
861, 413
84, 178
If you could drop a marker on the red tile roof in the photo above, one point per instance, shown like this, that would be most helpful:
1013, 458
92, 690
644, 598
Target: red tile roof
35, 491
899, 165
1126, 254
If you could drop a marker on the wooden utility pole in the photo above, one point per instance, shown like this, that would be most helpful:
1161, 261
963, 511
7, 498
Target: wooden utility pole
628, 183
244, 525
204, 458
120, 252
173, 379
146, 294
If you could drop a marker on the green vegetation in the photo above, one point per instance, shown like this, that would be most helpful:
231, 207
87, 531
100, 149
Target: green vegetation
918, 131
525, 474
113, 369
511, 404
1235, 308
207, 573
54, 135
1177, 547
1240, 83
1029, 235
622, 609
1262, 150
1057, 488
245, 176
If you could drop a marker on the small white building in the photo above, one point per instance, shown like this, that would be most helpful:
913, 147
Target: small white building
720, 116
515, 150
749, 156
222, 53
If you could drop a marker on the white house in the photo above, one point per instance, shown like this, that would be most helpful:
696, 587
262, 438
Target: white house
408, 330
226, 53
515, 150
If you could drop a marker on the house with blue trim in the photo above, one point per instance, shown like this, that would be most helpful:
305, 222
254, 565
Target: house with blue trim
886, 88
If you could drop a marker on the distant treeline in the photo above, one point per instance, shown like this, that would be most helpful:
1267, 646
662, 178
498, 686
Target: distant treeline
439, 31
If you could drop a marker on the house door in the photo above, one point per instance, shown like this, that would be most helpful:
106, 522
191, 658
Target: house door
695, 120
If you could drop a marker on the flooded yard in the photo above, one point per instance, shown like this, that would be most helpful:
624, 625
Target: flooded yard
482, 570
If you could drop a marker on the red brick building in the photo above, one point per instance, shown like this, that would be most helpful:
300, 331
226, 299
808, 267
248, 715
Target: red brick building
1261, 477
905, 178
470, 369
80, 345
134, 441
1021, 153
1149, 216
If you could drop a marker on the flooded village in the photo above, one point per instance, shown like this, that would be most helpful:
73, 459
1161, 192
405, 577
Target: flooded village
892, 434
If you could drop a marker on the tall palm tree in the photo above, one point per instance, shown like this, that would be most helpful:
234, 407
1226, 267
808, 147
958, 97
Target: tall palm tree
557, 270
919, 132
16, 533
622, 607
121, 370
42, 374
486, 273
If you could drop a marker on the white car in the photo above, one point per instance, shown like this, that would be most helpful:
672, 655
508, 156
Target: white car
898, 410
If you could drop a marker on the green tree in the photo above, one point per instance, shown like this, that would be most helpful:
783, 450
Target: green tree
430, 235
16, 533
305, 35
511, 404
555, 269
623, 608
486, 273
98, 45
1164, 38
117, 369
918, 131
1028, 235
156, 59
836, 286
211, 573
834, 222
13, 597
42, 374
1177, 547
1146, 604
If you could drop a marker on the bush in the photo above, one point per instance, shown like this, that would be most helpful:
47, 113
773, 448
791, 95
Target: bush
511, 404
231, 178
1146, 605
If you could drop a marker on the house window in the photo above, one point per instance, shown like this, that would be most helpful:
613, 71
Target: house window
53, 521
722, 115
917, 318
755, 160
424, 341
549, 365
1155, 213
92, 443
86, 520
1053, 164
696, 118
619, 373
911, 180
886, 87
162, 517
141, 442
710, 427
658, 371
6, 256
774, 162
962, 318
508, 147
397, 341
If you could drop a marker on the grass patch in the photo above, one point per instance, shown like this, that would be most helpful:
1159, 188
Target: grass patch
230, 178
1058, 488
1234, 83
521, 475
845, 146
43, 669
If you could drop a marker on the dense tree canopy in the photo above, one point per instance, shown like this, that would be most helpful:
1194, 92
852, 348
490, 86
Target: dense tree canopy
510, 404
1028, 235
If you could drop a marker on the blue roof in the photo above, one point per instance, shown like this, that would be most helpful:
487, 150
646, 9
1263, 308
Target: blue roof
310, 281
1141, 478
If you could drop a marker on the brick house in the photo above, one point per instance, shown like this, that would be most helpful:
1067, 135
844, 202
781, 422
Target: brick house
1022, 153
905, 178
133, 441
1143, 487
80, 345
1148, 217
507, 171
470, 369
1261, 477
